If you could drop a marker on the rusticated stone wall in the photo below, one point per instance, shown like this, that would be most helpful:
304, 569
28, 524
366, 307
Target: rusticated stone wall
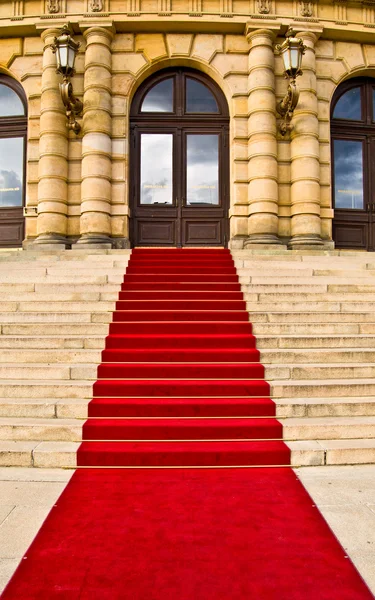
280, 188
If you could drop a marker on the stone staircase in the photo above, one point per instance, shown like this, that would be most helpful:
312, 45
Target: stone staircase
314, 319
54, 315
313, 315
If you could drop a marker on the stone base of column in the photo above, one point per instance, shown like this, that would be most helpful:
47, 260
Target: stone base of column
121, 243
263, 239
94, 240
306, 242
50, 241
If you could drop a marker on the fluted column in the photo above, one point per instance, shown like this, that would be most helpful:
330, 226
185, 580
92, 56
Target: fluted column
305, 167
263, 186
95, 221
53, 153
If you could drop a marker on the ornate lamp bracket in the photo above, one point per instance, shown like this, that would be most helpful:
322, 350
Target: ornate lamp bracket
66, 49
73, 106
291, 50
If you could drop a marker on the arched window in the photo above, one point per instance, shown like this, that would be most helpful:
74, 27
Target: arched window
13, 129
353, 161
179, 161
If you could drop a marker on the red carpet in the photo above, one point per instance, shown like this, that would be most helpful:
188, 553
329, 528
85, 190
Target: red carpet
181, 385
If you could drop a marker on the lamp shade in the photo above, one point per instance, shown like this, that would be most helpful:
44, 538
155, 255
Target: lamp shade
66, 50
292, 51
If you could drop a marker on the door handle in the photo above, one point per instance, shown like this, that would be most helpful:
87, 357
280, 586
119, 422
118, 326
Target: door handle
368, 207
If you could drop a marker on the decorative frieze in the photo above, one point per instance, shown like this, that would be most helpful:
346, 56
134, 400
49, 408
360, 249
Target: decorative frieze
306, 9
53, 6
263, 7
341, 12
96, 5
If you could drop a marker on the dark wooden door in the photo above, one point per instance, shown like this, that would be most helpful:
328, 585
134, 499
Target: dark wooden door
353, 164
13, 128
179, 164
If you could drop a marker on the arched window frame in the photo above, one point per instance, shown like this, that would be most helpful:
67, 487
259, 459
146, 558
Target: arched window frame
15, 126
179, 97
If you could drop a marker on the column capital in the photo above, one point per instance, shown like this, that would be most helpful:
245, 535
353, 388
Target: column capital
102, 30
253, 31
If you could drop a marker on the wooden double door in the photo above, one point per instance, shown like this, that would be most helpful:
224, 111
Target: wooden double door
179, 163
353, 164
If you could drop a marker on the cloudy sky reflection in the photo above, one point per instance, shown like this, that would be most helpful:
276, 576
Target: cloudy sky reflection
348, 174
11, 171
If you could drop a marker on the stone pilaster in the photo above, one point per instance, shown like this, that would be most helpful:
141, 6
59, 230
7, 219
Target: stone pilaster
95, 222
53, 146
305, 168
263, 185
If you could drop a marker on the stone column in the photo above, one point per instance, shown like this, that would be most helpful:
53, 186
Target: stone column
53, 152
263, 186
305, 167
95, 222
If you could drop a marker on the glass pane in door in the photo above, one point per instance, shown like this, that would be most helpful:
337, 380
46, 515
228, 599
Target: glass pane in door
11, 171
202, 169
156, 168
348, 173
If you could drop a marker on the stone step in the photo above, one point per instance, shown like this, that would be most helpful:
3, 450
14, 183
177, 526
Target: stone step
108, 262
325, 407
75, 287
67, 278
322, 355
317, 372
330, 264
83, 327
49, 355
64, 296
303, 453
328, 428
307, 328
313, 306
332, 452
357, 278
13, 429
294, 429
318, 341
57, 307
53, 341
311, 317
44, 317
296, 296
47, 408
40, 388
72, 408
329, 388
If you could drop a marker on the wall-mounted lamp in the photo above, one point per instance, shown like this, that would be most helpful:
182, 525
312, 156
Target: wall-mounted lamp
66, 50
291, 50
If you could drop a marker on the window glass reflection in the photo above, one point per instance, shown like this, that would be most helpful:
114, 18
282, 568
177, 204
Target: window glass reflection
10, 102
349, 106
159, 98
199, 99
348, 173
156, 168
202, 173
11, 171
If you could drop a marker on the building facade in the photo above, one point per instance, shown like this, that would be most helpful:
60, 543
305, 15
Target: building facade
180, 141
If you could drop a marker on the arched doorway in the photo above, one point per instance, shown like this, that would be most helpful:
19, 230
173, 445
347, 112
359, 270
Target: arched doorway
179, 162
353, 164
13, 130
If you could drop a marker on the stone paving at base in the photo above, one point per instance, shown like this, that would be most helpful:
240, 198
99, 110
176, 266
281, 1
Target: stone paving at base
345, 496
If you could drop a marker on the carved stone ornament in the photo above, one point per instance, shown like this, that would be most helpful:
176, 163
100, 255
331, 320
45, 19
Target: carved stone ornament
96, 5
53, 6
306, 9
264, 6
